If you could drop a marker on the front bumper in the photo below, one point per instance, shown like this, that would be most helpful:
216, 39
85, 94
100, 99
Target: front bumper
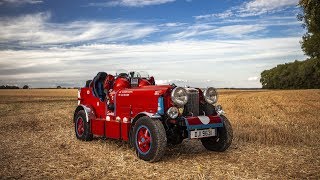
202, 122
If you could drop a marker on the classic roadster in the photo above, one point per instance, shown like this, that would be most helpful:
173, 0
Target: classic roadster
129, 106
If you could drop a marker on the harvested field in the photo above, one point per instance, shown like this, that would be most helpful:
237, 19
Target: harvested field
276, 135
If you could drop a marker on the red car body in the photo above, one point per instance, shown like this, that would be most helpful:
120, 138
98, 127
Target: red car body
130, 99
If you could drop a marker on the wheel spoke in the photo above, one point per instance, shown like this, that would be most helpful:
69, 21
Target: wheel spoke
147, 140
140, 134
146, 134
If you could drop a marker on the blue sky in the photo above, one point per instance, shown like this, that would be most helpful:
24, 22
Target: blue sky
186, 42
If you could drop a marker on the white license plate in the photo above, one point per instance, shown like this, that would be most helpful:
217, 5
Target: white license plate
203, 133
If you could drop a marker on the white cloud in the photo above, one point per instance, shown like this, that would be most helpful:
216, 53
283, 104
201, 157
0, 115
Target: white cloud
20, 2
238, 30
35, 29
251, 8
214, 31
227, 63
223, 15
172, 24
258, 7
170, 81
193, 30
196, 54
255, 78
131, 3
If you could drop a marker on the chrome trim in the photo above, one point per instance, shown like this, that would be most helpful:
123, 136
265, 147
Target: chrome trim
89, 112
150, 115
219, 110
79, 96
192, 106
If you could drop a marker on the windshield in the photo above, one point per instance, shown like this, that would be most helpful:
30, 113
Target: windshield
141, 74
121, 72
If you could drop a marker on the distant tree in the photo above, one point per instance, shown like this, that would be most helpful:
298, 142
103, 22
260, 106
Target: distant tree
25, 87
8, 87
295, 75
59, 87
13, 87
311, 21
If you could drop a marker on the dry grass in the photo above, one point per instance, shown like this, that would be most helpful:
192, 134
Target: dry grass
276, 136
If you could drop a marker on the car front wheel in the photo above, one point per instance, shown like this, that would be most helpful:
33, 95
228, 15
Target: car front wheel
223, 140
149, 139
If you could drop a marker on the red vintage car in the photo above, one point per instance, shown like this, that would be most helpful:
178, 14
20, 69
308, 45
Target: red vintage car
130, 107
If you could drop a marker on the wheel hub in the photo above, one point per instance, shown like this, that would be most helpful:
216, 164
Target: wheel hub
80, 126
143, 139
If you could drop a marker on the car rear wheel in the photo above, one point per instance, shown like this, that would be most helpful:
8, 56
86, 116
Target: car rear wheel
149, 139
223, 140
82, 127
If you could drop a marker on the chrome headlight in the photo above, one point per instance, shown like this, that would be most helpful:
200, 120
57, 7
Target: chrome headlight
179, 96
210, 95
173, 112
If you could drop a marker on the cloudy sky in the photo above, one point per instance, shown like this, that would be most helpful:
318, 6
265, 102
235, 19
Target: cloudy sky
221, 43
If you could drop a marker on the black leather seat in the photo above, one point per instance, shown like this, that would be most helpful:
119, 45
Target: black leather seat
98, 85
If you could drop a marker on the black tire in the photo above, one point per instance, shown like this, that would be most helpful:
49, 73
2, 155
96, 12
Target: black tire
157, 139
209, 109
82, 133
223, 140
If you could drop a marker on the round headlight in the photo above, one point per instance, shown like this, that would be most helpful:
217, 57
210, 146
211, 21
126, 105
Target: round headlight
179, 96
210, 95
173, 112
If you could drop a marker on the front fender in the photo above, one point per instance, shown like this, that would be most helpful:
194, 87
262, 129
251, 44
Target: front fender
150, 115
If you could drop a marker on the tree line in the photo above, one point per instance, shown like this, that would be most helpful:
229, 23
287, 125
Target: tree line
300, 74
295, 75
13, 87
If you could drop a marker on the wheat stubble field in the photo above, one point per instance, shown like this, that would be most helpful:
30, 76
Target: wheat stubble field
276, 135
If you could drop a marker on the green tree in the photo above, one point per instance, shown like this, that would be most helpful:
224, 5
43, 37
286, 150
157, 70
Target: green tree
25, 87
295, 75
310, 43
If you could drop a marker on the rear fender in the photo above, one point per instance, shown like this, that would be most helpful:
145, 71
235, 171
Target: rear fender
87, 109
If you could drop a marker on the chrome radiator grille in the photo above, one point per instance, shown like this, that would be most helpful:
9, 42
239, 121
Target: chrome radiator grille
192, 106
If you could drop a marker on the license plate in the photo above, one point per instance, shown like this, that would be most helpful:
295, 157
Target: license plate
203, 133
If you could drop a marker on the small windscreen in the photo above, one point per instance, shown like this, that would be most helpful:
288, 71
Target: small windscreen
121, 72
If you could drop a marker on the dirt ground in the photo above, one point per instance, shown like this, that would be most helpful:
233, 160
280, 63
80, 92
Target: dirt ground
276, 135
